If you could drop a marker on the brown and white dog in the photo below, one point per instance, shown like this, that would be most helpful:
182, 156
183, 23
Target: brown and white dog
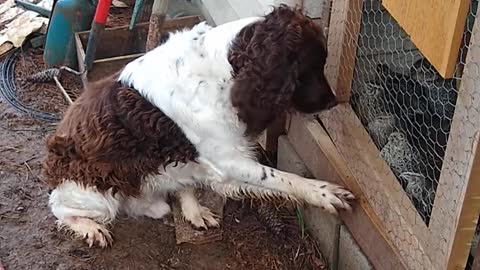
187, 114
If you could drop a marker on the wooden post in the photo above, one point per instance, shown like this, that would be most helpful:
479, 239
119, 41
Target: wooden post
470, 207
159, 12
343, 33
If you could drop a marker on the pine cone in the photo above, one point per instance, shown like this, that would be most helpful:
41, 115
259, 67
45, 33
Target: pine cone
44, 76
269, 217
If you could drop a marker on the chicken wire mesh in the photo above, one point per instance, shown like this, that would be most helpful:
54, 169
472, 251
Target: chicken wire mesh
404, 104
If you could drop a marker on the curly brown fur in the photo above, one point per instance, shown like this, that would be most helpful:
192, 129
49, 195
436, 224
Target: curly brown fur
278, 64
111, 138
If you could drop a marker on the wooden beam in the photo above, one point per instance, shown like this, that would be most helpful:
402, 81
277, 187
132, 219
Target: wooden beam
159, 13
469, 211
342, 45
323, 160
456, 207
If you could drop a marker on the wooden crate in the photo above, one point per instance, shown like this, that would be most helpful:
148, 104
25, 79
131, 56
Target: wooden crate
385, 223
118, 46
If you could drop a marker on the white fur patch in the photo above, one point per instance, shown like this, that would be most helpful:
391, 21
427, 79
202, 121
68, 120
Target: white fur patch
71, 199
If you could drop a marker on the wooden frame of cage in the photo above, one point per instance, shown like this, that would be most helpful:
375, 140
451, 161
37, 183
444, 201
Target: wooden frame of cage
385, 223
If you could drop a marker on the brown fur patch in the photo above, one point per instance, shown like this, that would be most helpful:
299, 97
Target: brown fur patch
278, 65
111, 137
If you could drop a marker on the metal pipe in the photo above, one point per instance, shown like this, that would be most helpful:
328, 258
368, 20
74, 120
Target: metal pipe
136, 12
29, 6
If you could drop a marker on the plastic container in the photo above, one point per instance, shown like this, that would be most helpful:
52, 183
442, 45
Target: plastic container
68, 17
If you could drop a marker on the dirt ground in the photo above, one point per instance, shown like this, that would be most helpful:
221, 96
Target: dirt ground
29, 238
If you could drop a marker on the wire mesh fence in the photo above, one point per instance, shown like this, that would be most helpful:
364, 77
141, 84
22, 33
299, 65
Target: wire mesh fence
404, 104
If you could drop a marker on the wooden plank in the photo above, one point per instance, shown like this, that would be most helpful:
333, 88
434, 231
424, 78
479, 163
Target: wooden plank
469, 210
157, 18
324, 161
435, 26
389, 202
108, 66
342, 45
455, 210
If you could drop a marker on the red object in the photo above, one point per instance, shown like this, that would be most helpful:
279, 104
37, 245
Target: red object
101, 14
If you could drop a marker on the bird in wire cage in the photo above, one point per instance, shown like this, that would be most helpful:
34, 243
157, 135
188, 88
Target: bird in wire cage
187, 114
400, 154
402, 94
405, 163
441, 94
415, 184
380, 129
368, 101
409, 101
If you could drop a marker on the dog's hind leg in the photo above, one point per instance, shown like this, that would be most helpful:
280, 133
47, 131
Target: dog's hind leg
84, 211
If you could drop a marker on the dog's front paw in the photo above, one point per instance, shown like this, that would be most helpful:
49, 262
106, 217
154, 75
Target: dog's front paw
329, 197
